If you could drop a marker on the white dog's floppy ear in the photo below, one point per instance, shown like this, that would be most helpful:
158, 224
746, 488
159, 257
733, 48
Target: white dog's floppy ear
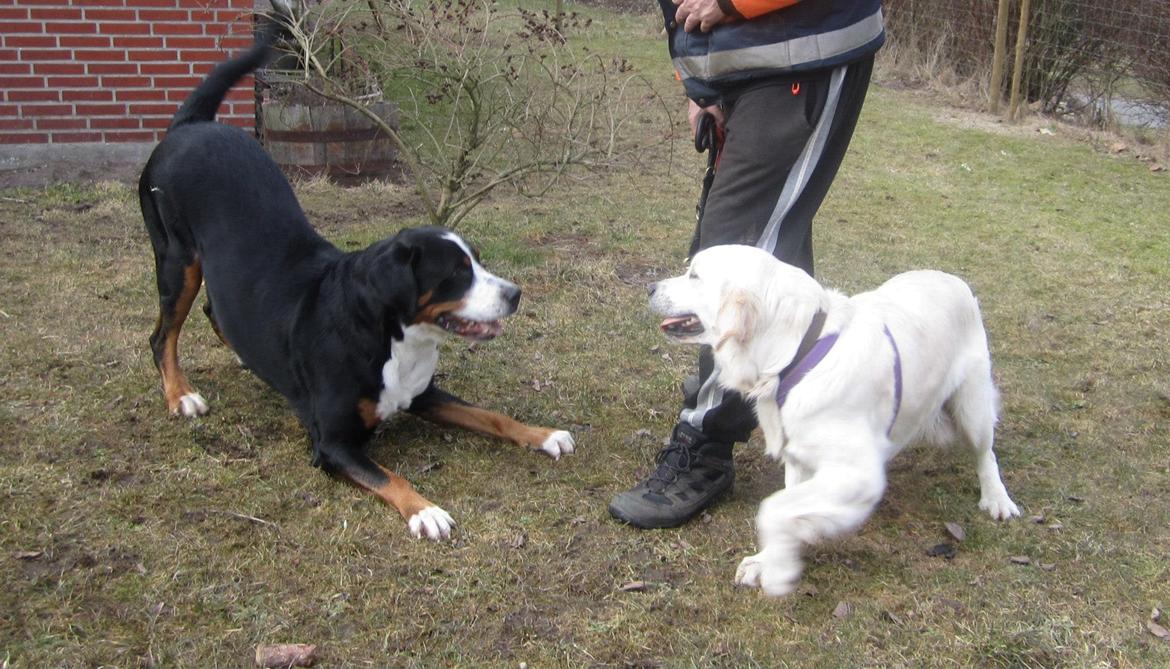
737, 324
738, 319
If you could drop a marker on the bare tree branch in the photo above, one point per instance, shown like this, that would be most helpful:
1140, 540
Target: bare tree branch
488, 96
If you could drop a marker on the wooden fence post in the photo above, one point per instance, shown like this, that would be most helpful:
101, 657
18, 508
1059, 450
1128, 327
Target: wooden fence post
1018, 67
996, 89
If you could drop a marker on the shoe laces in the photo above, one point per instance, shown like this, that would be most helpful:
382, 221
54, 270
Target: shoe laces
669, 468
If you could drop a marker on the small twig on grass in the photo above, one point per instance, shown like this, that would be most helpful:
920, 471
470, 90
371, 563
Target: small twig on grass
259, 521
243, 516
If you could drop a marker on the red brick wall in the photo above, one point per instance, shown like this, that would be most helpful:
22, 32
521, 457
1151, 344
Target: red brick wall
113, 70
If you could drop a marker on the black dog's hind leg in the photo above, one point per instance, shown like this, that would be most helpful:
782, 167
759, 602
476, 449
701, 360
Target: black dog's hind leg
179, 276
214, 326
210, 313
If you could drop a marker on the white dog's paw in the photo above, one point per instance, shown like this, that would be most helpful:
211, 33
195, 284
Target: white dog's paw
775, 578
431, 523
748, 572
192, 405
1000, 507
558, 444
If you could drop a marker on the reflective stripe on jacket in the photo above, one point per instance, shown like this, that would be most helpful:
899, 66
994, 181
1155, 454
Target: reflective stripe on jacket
809, 35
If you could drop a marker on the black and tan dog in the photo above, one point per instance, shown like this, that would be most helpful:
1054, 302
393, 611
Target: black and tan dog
348, 338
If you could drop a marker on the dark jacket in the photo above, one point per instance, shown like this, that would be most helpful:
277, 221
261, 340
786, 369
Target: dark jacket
806, 36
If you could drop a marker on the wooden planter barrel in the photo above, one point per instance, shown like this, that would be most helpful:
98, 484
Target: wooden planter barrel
330, 139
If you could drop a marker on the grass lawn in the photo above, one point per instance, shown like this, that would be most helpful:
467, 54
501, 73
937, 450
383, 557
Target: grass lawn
129, 539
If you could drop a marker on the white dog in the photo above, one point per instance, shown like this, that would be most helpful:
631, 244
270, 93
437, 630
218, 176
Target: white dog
840, 385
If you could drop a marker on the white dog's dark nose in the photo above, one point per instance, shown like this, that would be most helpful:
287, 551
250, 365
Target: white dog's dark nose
512, 297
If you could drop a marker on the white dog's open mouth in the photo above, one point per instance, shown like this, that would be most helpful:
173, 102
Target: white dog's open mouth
686, 325
477, 330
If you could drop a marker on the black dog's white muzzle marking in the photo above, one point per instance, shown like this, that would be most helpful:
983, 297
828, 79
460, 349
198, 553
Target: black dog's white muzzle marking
490, 297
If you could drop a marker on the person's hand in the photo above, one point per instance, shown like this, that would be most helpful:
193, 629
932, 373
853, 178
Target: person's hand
701, 14
694, 111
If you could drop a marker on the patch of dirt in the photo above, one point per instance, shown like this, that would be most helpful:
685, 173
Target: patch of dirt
523, 626
214, 443
106, 475
66, 555
362, 205
570, 245
636, 271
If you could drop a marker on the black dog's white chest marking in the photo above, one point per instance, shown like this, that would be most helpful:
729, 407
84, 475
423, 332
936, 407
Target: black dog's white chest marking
410, 368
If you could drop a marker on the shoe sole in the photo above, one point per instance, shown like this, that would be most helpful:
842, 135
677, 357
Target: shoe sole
620, 515
663, 524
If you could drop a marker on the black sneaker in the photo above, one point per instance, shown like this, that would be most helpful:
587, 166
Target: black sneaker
691, 473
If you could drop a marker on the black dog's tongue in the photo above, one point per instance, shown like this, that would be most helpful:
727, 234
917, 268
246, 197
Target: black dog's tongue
478, 330
489, 330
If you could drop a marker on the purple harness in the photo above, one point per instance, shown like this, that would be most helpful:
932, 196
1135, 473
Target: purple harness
812, 350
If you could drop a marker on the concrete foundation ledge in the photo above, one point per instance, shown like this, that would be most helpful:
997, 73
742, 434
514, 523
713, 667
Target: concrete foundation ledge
25, 165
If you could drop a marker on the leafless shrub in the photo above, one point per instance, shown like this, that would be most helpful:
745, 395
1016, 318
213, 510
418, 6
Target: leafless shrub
488, 96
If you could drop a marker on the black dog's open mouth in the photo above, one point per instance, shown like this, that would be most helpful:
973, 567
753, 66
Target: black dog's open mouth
682, 326
477, 330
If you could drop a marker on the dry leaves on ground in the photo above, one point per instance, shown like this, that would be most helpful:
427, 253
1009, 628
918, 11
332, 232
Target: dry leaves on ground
286, 655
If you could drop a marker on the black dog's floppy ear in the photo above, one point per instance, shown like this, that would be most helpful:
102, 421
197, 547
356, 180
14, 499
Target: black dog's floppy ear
386, 284
399, 285
738, 318
404, 252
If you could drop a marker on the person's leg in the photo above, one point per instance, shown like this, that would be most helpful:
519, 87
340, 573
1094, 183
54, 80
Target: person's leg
783, 145
776, 179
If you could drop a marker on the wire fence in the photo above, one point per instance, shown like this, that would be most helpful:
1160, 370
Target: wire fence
1105, 62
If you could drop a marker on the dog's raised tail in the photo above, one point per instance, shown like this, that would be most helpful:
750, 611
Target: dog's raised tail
204, 101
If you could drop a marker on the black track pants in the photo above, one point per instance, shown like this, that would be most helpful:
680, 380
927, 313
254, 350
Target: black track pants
784, 142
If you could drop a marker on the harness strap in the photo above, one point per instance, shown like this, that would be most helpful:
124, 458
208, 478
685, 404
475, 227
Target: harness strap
810, 352
897, 377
